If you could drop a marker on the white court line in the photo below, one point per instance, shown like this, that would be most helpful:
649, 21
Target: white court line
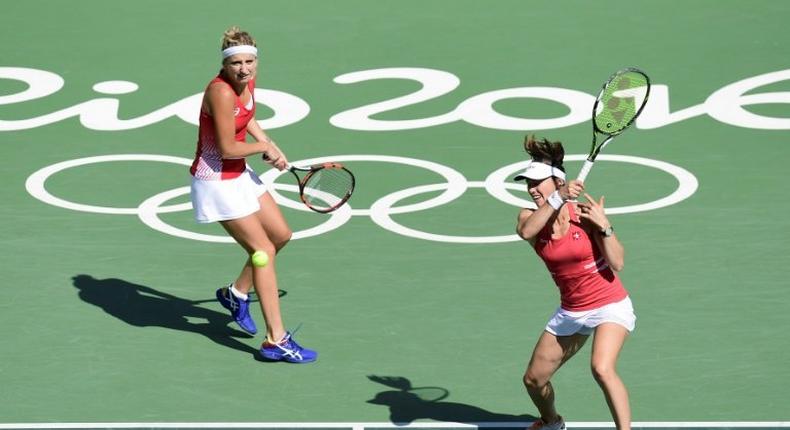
361, 425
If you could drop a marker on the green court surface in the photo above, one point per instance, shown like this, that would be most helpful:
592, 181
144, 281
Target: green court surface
421, 302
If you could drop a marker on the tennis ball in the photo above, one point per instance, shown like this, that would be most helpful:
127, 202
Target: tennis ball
260, 259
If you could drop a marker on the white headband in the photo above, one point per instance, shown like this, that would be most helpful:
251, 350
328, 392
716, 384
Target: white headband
537, 171
239, 49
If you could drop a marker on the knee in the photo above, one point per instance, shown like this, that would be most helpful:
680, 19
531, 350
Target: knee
533, 381
603, 372
283, 240
269, 249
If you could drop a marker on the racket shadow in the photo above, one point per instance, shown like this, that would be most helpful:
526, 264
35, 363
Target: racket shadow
253, 297
143, 306
408, 403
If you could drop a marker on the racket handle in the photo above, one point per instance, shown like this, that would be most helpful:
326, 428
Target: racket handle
585, 170
266, 158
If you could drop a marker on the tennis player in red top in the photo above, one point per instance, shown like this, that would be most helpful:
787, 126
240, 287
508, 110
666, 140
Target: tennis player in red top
226, 190
577, 243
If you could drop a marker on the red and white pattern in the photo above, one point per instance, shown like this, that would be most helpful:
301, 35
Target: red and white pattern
208, 163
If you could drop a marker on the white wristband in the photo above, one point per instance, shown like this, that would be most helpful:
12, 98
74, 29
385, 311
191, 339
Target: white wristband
555, 200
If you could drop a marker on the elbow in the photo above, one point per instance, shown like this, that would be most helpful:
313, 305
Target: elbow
227, 154
524, 233
225, 150
617, 266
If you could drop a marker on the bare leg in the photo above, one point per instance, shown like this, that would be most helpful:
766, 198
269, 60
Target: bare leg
243, 283
252, 234
607, 343
550, 353
277, 229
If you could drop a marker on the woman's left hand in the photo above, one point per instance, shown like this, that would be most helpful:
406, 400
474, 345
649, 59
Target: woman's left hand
275, 157
593, 211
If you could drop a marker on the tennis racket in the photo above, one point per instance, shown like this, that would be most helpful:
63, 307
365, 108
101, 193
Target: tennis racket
619, 103
324, 187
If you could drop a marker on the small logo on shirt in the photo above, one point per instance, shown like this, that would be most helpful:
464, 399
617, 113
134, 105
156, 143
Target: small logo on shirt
576, 235
236, 111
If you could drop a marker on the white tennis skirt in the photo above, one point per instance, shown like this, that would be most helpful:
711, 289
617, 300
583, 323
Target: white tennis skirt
222, 200
566, 323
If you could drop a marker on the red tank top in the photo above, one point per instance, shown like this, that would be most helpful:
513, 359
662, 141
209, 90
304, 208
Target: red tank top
208, 163
578, 267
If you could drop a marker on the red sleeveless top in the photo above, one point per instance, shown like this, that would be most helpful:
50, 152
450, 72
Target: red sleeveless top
208, 163
578, 267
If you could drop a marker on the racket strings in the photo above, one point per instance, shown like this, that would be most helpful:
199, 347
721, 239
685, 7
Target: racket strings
328, 188
621, 101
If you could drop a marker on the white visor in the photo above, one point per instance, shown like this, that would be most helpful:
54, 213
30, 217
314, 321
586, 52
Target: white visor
537, 171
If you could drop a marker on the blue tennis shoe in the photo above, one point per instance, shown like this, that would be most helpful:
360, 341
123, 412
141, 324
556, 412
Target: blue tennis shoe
239, 309
287, 350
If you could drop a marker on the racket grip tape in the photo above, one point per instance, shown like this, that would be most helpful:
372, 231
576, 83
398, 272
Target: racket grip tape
585, 170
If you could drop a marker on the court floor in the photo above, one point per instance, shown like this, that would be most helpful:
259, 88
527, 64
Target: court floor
422, 302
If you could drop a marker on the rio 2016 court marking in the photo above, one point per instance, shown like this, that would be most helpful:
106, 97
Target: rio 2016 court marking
380, 211
724, 105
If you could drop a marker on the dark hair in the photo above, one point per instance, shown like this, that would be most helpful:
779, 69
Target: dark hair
545, 151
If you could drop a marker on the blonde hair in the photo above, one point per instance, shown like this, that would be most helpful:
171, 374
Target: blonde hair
545, 151
234, 36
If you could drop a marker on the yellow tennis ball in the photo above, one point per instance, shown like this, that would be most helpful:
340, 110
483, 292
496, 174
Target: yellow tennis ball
260, 259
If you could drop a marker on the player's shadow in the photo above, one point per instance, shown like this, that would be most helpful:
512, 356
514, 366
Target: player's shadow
143, 306
408, 403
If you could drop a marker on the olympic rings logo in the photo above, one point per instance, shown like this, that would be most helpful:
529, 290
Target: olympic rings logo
381, 211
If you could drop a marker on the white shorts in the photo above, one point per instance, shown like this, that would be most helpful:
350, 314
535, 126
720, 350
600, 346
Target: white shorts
222, 200
566, 323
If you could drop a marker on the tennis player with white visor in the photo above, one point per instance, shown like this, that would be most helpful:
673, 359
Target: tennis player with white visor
577, 243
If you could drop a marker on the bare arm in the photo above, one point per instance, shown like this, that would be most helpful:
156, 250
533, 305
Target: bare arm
221, 101
531, 222
274, 155
593, 212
